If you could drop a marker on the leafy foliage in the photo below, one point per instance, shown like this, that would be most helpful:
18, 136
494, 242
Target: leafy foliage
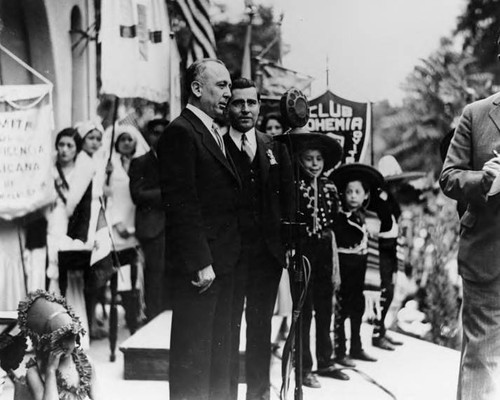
230, 38
479, 25
436, 92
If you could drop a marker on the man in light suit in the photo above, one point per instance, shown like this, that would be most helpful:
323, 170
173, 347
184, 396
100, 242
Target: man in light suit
150, 220
470, 168
201, 190
265, 170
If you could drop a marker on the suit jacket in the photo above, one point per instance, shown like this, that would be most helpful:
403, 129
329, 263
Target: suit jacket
462, 179
145, 191
277, 189
200, 189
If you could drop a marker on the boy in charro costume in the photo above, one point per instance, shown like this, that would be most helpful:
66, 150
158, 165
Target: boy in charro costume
355, 183
318, 205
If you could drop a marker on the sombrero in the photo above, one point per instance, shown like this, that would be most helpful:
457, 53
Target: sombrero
297, 142
357, 171
392, 172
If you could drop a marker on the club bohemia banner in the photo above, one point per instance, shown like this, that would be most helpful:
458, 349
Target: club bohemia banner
26, 149
347, 121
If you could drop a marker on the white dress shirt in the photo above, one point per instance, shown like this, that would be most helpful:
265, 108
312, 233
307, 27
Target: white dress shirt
251, 138
207, 121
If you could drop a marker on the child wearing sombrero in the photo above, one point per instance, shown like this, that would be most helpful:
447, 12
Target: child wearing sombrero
355, 183
318, 204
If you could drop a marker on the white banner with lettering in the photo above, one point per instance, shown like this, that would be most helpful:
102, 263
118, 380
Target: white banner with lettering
26, 149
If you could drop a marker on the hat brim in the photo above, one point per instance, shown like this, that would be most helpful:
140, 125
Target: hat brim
357, 171
405, 176
330, 148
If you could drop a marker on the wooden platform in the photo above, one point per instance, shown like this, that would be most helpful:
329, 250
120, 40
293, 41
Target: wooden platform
146, 353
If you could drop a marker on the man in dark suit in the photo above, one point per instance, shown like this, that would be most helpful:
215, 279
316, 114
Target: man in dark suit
470, 175
150, 220
201, 190
265, 170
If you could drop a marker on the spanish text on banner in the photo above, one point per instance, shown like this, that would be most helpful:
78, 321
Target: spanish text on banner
26, 149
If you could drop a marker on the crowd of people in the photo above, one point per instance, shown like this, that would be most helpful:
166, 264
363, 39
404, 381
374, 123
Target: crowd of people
225, 197
196, 210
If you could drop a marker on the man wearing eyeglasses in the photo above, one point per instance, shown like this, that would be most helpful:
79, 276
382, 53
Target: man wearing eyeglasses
265, 171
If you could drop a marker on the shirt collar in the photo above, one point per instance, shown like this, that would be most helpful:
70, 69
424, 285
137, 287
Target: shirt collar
236, 136
205, 119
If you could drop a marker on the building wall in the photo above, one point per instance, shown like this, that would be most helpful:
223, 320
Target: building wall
38, 32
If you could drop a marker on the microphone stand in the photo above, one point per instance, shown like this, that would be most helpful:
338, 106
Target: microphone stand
296, 233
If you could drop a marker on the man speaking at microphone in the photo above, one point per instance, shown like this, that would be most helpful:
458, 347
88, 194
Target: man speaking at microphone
201, 190
265, 171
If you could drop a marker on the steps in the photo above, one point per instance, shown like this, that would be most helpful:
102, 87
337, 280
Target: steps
146, 353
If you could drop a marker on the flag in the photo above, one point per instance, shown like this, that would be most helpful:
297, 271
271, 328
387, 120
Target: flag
135, 49
196, 14
101, 261
276, 79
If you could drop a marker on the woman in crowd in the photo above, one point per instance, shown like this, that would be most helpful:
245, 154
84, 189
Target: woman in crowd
272, 123
67, 175
129, 143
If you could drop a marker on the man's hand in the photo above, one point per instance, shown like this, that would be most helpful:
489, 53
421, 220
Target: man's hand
206, 277
492, 166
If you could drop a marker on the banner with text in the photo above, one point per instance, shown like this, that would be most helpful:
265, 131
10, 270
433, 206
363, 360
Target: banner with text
26, 149
347, 121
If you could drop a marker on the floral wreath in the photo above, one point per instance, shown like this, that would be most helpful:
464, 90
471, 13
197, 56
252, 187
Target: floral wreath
46, 341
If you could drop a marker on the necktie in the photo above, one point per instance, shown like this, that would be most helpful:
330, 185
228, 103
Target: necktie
245, 147
218, 138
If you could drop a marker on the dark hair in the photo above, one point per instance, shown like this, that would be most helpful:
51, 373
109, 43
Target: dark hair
151, 125
118, 141
73, 134
196, 69
244, 83
270, 116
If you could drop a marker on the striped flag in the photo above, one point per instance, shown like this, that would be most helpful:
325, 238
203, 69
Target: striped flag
101, 261
196, 14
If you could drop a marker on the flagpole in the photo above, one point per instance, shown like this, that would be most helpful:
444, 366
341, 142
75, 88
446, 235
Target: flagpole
327, 73
246, 64
280, 45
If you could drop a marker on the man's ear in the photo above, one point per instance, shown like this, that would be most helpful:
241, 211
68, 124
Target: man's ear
196, 88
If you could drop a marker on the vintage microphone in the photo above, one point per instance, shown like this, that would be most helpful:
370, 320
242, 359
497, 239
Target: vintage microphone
295, 111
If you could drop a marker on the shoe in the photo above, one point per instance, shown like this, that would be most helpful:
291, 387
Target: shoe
311, 380
393, 341
362, 355
345, 361
334, 373
382, 343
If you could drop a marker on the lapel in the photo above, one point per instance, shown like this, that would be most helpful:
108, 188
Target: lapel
210, 144
495, 112
264, 144
152, 160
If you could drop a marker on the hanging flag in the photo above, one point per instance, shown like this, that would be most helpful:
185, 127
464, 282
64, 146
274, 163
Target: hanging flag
276, 80
196, 14
135, 49
101, 261
347, 121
